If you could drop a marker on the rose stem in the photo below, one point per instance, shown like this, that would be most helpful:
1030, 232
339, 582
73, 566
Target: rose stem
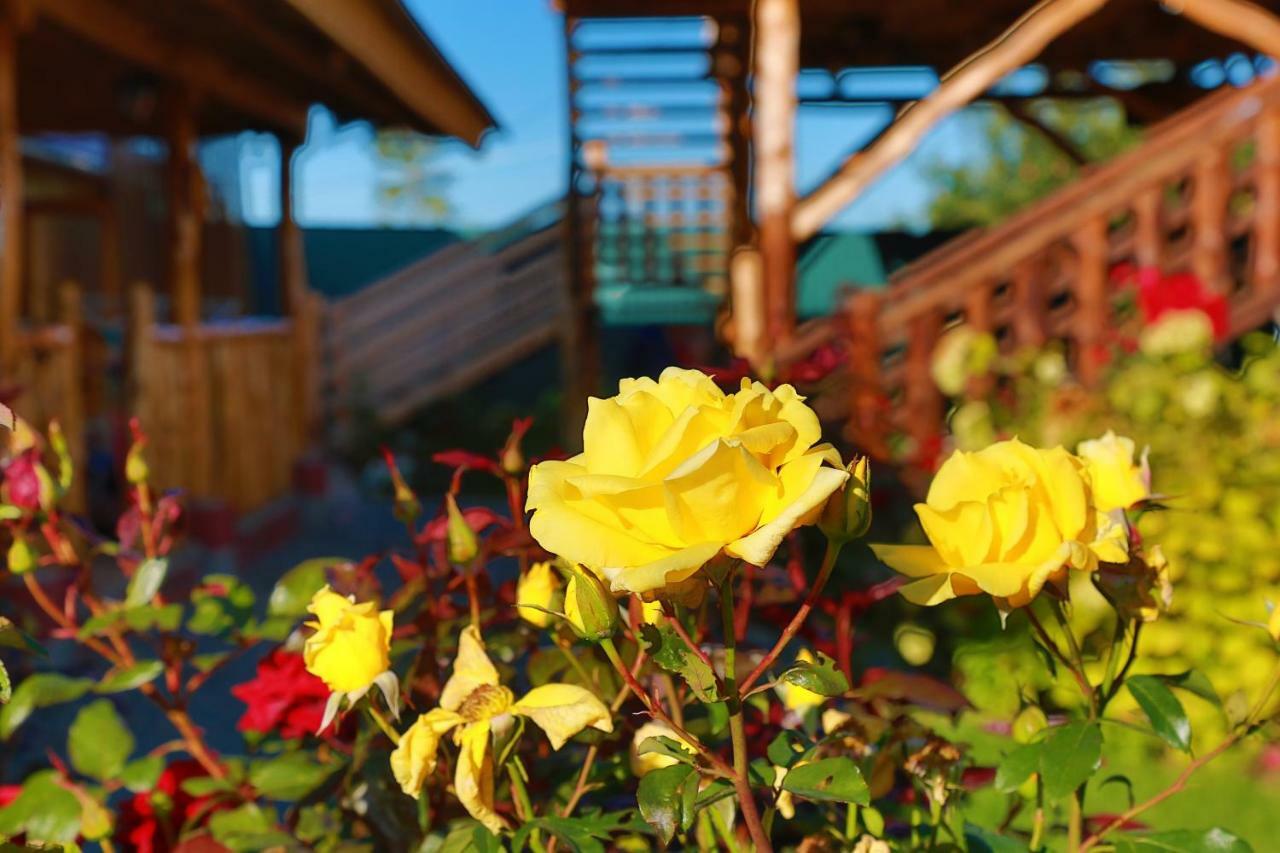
737, 729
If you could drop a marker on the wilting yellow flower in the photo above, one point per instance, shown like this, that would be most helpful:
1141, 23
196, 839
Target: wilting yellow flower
352, 642
645, 762
472, 703
536, 594
1004, 521
799, 699
675, 471
1117, 481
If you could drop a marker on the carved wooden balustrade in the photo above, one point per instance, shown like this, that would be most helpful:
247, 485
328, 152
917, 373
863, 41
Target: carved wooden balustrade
1201, 193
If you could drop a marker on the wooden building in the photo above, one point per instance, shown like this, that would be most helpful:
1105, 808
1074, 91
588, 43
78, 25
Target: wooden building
228, 402
1186, 198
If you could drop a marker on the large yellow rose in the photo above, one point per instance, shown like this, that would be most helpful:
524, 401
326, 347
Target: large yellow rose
351, 645
674, 472
1118, 482
1004, 521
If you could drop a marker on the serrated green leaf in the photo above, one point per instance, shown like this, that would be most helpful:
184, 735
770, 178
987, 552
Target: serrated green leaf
295, 589
661, 797
146, 582
1017, 766
44, 810
1168, 719
1069, 755
820, 676
829, 779
99, 743
290, 776
131, 677
669, 651
665, 746
1214, 840
142, 774
39, 691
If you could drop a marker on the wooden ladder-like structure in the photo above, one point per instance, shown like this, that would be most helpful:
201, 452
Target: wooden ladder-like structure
1201, 194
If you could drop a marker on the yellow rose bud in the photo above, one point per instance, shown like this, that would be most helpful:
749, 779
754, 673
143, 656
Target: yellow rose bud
642, 763
674, 472
1005, 521
351, 645
463, 546
536, 594
22, 557
847, 513
1117, 482
136, 471
589, 608
1029, 723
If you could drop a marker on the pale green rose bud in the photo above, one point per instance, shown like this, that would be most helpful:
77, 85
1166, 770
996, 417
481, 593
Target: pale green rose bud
847, 513
590, 609
22, 557
463, 546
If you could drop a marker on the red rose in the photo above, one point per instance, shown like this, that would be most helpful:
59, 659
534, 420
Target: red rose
23, 482
150, 822
1159, 294
284, 697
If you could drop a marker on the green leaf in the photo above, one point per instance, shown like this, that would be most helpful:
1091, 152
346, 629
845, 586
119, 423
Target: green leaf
1214, 840
43, 810
785, 748
1017, 766
6, 687
1195, 682
669, 650
663, 799
294, 591
131, 677
249, 827
665, 746
981, 840
142, 774
830, 779
1068, 757
221, 603
819, 677
99, 743
146, 582
39, 691
1163, 709
11, 636
290, 776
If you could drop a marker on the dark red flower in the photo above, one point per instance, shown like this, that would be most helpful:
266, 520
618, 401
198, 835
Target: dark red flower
732, 375
818, 365
150, 822
283, 698
22, 482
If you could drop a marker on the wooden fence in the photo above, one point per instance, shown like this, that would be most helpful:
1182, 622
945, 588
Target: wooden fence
227, 405
1201, 193
441, 324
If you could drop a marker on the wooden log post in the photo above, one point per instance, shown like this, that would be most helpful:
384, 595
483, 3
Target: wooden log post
1092, 317
11, 237
1266, 219
297, 304
923, 399
1029, 307
1148, 234
1211, 191
867, 427
777, 61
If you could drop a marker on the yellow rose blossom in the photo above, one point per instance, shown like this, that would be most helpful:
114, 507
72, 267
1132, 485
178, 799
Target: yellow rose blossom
472, 704
1004, 521
350, 650
674, 472
799, 699
1117, 481
537, 592
646, 762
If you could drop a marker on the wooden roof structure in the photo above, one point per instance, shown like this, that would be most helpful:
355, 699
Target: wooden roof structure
100, 65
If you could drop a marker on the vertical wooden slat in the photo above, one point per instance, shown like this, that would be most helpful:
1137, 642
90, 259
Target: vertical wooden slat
978, 316
866, 391
1210, 193
1266, 215
293, 282
1029, 307
924, 403
1148, 234
1091, 318
185, 210
11, 238
71, 315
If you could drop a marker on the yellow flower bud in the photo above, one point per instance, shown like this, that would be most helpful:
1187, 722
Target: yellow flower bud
536, 594
351, 645
22, 557
463, 546
590, 609
642, 763
1029, 722
1116, 480
135, 465
847, 513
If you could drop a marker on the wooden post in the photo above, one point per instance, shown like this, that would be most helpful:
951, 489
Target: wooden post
777, 58
1266, 218
1092, 314
866, 428
977, 315
1028, 304
185, 208
1210, 192
1148, 234
11, 238
294, 290
923, 399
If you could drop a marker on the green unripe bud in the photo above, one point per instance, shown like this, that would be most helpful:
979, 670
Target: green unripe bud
590, 609
847, 513
1030, 722
463, 546
22, 557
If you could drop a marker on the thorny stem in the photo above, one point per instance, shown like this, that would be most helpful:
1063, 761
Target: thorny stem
737, 727
473, 593
797, 621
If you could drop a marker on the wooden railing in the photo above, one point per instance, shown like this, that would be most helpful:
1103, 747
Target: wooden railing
1201, 193
440, 325
47, 377
226, 405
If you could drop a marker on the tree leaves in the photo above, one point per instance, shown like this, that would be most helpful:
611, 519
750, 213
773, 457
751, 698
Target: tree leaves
1069, 755
1163, 709
819, 677
99, 743
829, 779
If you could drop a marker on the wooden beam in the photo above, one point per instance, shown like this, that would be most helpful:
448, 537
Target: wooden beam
1014, 48
1241, 20
295, 293
138, 40
11, 237
186, 210
777, 58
